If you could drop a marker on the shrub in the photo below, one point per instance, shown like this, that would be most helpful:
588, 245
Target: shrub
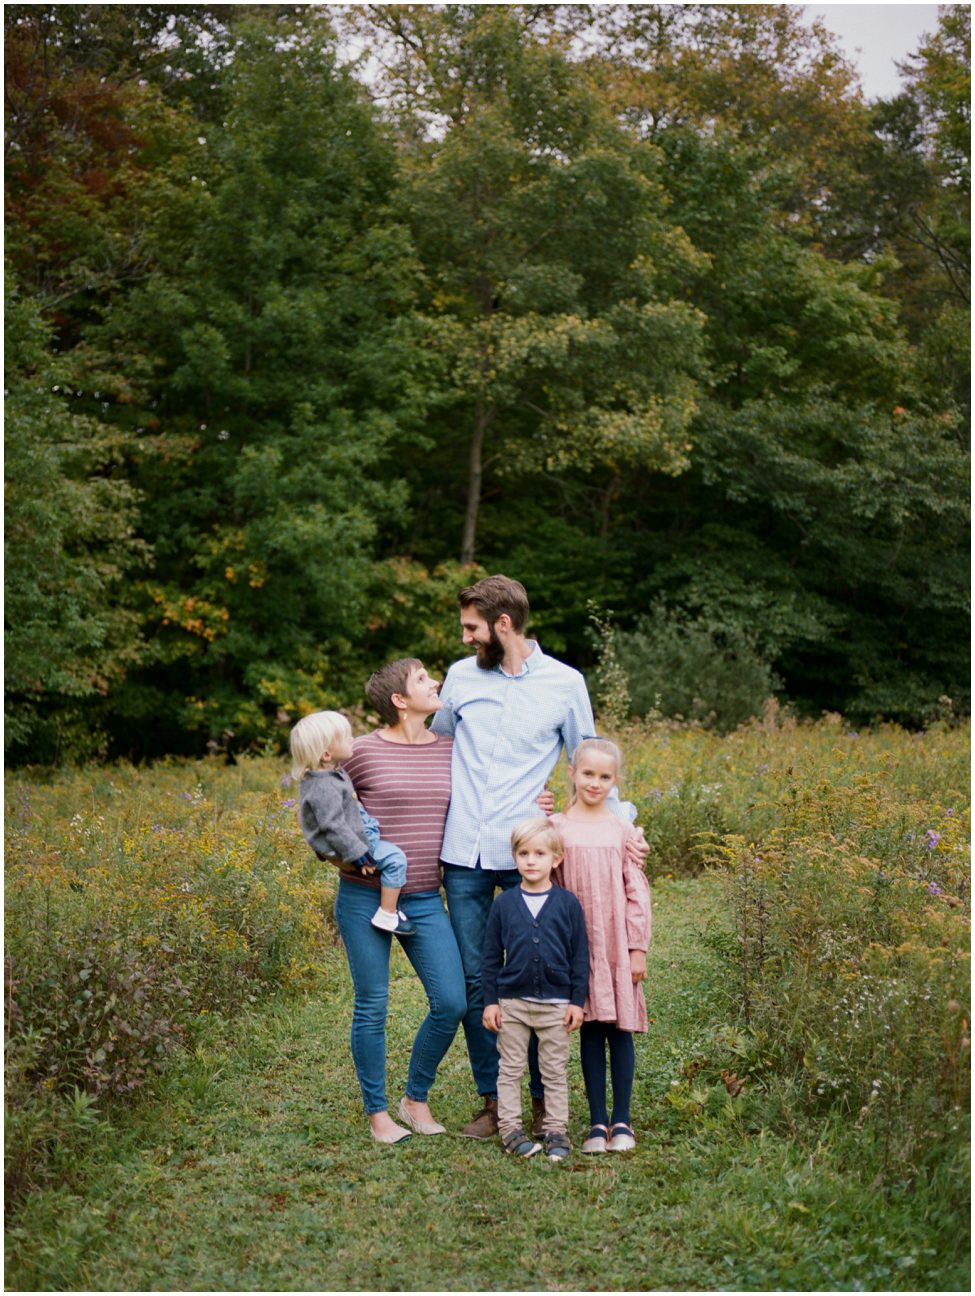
694, 671
692, 786
850, 958
127, 922
843, 930
44, 1130
106, 1014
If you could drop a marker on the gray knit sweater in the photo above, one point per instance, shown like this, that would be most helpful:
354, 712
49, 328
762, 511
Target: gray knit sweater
329, 815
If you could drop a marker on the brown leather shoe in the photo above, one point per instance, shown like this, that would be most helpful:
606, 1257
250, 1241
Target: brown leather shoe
485, 1123
538, 1116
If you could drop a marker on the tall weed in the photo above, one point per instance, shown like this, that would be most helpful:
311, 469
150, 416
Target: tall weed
133, 908
692, 786
849, 953
139, 902
845, 865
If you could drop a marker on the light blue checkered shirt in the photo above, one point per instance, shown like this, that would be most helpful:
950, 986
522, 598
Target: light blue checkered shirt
508, 731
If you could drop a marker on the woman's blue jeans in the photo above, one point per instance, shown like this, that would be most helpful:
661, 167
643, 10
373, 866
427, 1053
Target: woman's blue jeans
433, 952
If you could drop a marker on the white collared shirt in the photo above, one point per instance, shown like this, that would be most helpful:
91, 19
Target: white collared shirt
508, 731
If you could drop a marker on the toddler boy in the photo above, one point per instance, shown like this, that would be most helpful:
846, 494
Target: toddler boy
332, 820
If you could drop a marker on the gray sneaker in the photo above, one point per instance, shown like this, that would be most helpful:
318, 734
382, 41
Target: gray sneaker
517, 1143
557, 1146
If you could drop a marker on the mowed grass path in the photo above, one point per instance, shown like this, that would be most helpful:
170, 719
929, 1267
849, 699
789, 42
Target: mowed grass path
252, 1169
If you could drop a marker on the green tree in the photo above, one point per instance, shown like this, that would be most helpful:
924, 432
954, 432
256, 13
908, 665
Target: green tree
553, 280
640, 303
780, 87
84, 136
276, 325
825, 513
69, 547
938, 221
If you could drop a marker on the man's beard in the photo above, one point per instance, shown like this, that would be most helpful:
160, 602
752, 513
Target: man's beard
491, 654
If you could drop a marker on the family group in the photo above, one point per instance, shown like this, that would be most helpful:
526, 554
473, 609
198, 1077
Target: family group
548, 916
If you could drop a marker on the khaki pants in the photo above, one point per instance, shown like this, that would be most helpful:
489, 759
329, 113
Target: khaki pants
519, 1017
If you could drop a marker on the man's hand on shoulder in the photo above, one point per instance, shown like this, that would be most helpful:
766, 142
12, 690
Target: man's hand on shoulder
545, 801
637, 848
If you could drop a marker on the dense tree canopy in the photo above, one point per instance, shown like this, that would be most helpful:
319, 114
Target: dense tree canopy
315, 313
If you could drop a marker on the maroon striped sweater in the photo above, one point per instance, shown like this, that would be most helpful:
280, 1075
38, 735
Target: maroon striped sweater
407, 787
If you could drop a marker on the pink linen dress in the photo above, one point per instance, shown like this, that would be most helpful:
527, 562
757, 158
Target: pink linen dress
615, 898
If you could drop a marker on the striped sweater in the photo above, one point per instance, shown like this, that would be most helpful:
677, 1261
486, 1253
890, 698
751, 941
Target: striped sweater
407, 787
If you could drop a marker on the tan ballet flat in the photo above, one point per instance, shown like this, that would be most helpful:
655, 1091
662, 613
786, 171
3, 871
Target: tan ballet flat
393, 1137
421, 1126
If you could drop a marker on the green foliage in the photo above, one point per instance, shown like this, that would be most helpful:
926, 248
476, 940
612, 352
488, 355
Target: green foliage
913, 197
692, 786
939, 77
283, 379
553, 277
69, 547
416, 613
697, 671
825, 468
778, 86
852, 967
47, 1134
862, 501
611, 684
127, 923
640, 303
844, 926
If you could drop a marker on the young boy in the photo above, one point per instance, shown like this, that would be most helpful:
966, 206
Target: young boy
535, 975
334, 824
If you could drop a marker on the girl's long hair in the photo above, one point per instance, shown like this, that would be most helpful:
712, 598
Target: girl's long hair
599, 745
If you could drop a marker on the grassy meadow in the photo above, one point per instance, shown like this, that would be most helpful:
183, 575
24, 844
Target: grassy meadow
182, 1112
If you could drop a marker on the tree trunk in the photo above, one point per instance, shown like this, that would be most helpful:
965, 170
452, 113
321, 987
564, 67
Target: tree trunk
606, 505
475, 470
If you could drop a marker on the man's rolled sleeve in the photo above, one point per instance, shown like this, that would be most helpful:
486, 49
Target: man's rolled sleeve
579, 722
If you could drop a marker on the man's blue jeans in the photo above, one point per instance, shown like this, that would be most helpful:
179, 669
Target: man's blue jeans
433, 952
470, 894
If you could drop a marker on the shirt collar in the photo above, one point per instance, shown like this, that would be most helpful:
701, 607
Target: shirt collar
531, 662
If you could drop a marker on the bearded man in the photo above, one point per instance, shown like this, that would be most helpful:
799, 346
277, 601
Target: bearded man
510, 709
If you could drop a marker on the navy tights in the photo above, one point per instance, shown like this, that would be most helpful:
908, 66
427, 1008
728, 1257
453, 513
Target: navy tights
593, 1039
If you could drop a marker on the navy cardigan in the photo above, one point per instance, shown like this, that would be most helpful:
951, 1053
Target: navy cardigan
536, 958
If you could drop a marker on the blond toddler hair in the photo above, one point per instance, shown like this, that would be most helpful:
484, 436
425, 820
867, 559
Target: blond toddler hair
313, 737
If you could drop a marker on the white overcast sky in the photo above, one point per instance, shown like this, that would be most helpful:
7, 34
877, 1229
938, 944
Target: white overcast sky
875, 37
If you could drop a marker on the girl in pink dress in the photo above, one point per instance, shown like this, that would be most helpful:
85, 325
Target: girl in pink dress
615, 898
